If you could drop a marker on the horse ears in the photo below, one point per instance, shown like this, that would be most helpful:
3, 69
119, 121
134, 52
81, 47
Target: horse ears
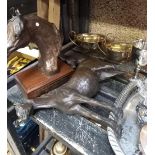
17, 12
14, 12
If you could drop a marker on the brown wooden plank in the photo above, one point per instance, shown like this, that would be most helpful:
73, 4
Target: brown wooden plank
54, 12
42, 8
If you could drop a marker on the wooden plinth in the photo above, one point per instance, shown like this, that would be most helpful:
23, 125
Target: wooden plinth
34, 83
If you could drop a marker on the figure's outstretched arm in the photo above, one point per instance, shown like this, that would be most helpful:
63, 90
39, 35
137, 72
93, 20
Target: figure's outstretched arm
108, 73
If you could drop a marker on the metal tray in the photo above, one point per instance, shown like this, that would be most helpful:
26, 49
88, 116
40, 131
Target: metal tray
128, 143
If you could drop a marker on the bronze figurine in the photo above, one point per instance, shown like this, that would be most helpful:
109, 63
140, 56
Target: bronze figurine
83, 85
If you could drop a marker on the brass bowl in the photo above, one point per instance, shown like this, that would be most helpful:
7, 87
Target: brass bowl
87, 40
118, 51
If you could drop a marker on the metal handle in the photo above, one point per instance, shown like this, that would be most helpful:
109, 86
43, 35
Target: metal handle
105, 53
112, 40
105, 42
72, 33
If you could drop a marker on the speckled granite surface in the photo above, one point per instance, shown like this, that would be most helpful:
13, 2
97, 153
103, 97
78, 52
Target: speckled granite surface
125, 19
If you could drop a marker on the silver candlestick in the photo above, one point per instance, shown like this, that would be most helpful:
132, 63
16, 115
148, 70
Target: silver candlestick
141, 61
140, 50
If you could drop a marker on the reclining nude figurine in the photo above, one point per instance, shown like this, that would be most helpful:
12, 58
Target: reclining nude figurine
82, 86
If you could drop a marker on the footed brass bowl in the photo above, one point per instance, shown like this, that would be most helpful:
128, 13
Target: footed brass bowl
118, 51
87, 40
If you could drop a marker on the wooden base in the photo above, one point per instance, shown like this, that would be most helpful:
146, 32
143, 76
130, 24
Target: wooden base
34, 83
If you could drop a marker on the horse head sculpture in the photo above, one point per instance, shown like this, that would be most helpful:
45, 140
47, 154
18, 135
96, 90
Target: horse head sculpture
21, 30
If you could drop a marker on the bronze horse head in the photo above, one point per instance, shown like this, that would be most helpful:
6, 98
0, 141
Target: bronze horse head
21, 30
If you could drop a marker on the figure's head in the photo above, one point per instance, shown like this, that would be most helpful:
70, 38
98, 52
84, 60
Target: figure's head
14, 28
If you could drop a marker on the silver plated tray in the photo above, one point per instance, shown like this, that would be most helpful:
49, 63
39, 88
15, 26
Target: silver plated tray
128, 143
